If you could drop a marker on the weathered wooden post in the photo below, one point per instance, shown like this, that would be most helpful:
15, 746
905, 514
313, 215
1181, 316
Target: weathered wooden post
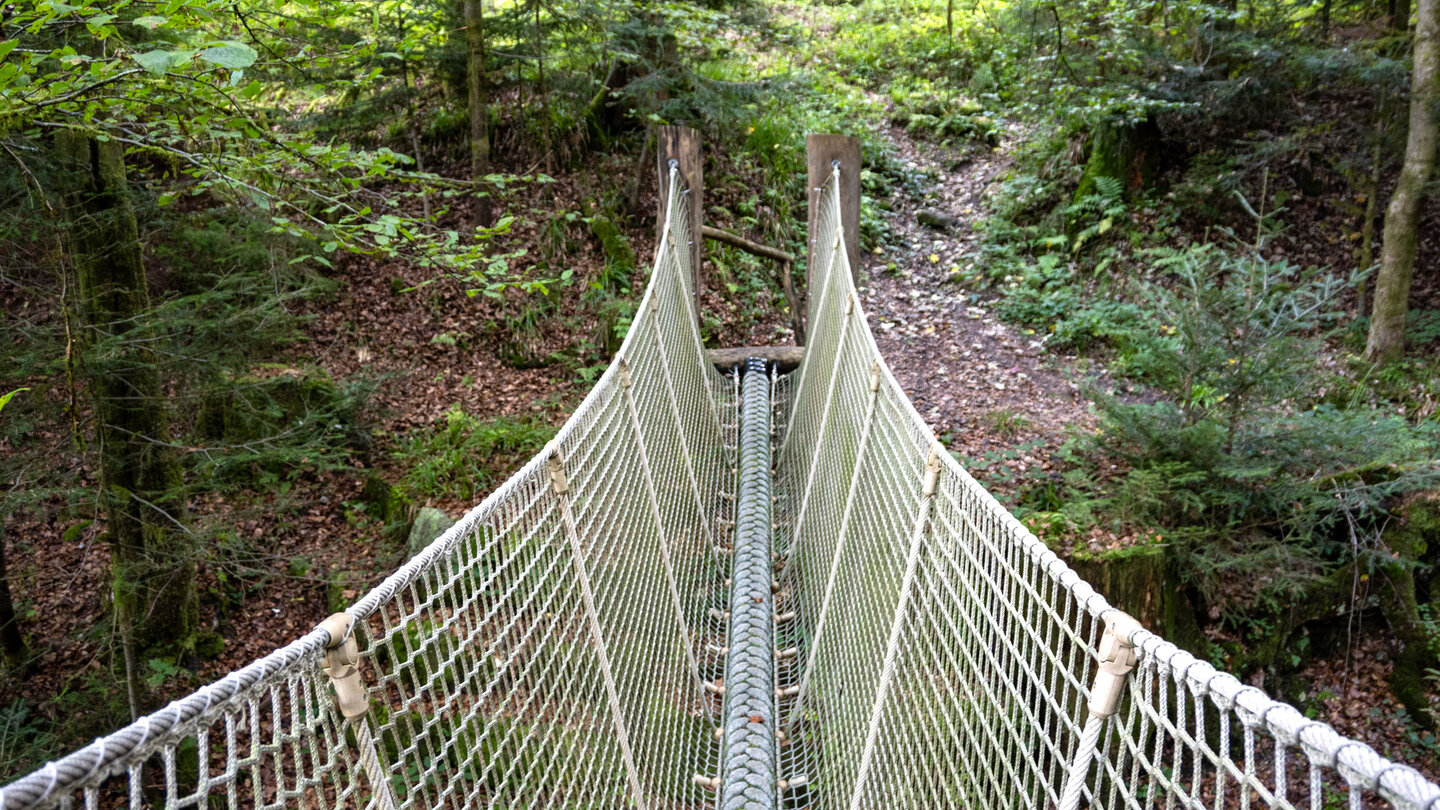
821, 153
682, 145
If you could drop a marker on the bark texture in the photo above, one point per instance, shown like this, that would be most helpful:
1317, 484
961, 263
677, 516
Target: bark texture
1386, 341
152, 553
12, 642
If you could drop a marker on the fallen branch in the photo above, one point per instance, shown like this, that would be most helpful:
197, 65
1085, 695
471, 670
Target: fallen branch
755, 248
797, 316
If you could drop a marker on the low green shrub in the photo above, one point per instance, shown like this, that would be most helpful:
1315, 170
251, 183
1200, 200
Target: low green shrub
1264, 489
462, 458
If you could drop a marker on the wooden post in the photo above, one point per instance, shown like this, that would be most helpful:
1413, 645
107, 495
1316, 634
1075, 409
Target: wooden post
821, 152
682, 144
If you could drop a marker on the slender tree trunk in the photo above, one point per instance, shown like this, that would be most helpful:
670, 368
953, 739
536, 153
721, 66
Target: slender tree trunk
152, 552
950, 19
479, 107
634, 196
1402, 219
548, 155
1400, 15
412, 127
11, 640
1372, 197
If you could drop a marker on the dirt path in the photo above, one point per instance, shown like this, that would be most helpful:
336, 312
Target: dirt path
984, 386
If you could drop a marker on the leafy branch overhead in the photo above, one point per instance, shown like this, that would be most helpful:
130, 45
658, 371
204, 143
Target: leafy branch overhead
217, 92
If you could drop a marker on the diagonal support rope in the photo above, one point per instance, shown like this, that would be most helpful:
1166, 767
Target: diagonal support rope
798, 530
897, 626
660, 534
674, 400
841, 536
561, 486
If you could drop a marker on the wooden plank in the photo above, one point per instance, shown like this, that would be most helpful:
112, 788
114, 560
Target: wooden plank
821, 152
682, 144
784, 358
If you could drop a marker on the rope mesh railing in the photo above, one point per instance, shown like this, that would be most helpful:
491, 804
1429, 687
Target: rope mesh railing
946, 656
565, 644
551, 649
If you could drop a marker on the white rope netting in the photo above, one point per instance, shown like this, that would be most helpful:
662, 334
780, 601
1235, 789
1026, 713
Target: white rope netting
946, 654
547, 651
564, 644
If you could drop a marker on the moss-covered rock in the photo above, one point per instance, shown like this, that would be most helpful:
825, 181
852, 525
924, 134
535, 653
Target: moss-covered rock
619, 255
429, 524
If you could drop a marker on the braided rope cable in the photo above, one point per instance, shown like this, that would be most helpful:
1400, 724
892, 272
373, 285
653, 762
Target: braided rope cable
748, 770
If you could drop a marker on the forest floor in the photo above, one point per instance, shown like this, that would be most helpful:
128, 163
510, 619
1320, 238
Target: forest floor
985, 387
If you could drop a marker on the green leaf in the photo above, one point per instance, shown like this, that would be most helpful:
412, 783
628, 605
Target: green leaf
5, 399
7, 46
233, 55
156, 61
150, 21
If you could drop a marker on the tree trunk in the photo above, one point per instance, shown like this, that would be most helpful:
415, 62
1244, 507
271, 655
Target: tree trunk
1372, 196
479, 108
1400, 15
1402, 219
411, 126
1411, 541
11, 640
152, 552
548, 149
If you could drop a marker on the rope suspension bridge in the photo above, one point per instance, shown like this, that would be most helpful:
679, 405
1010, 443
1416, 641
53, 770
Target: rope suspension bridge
740, 589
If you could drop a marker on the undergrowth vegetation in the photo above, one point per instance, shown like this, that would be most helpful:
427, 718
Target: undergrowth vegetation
462, 459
